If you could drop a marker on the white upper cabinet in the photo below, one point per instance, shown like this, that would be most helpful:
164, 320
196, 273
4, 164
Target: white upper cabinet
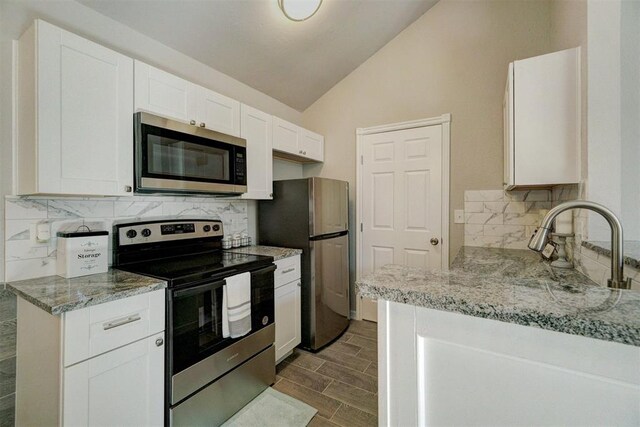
75, 108
166, 95
292, 142
542, 121
312, 145
162, 93
257, 130
218, 112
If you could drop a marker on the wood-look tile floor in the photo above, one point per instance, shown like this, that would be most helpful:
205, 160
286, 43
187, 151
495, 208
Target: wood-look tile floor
340, 381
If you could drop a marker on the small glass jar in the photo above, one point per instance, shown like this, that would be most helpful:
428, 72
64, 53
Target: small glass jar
227, 243
244, 239
236, 241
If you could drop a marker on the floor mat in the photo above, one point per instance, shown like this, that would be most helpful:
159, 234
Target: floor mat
272, 409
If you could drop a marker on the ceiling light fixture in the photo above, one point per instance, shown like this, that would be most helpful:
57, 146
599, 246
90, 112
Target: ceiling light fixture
299, 10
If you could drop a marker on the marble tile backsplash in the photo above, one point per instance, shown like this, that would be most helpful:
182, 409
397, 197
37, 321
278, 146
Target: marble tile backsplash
500, 219
26, 258
507, 219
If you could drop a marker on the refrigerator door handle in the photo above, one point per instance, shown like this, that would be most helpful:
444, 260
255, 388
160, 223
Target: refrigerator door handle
329, 236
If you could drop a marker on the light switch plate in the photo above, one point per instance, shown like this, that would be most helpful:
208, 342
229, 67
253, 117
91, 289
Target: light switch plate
458, 216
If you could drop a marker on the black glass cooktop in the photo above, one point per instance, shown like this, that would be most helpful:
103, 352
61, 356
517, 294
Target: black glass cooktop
189, 269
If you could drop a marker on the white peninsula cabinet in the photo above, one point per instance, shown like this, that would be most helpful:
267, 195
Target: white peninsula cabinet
166, 95
74, 126
257, 130
292, 142
96, 366
448, 369
542, 121
288, 299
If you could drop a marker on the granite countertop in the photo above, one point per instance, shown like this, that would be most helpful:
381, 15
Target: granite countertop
57, 295
631, 250
514, 286
272, 251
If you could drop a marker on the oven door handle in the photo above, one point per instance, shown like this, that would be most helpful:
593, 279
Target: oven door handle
265, 270
198, 289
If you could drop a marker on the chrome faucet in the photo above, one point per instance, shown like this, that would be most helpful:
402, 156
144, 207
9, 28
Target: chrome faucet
539, 239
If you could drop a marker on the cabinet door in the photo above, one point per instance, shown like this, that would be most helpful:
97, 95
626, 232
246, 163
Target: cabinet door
285, 136
124, 387
85, 108
257, 130
217, 112
547, 119
311, 145
507, 111
287, 317
164, 94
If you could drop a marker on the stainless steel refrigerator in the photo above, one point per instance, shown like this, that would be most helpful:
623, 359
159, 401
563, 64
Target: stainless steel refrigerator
312, 214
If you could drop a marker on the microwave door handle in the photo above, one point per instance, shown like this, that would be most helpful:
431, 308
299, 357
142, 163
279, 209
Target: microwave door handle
198, 289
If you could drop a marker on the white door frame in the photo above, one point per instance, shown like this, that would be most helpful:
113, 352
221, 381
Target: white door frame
445, 121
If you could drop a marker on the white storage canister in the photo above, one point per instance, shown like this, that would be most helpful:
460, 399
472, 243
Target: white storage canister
82, 252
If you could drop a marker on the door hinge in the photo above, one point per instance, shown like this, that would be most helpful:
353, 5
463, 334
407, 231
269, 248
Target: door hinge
362, 160
361, 227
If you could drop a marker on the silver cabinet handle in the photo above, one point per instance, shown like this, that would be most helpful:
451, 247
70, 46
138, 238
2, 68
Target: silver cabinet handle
434, 241
305, 153
299, 151
120, 322
299, 284
192, 122
202, 125
128, 189
159, 342
288, 270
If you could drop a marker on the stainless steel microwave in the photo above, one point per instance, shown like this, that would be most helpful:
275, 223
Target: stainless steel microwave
174, 157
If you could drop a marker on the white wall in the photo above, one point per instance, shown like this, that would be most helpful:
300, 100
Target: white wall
614, 114
15, 18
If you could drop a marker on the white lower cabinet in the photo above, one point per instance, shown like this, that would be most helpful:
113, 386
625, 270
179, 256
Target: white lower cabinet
288, 328
288, 291
449, 369
124, 387
96, 366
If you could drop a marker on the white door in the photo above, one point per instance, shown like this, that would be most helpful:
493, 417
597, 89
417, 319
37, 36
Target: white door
124, 387
164, 94
287, 318
218, 112
257, 130
85, 108
401, 200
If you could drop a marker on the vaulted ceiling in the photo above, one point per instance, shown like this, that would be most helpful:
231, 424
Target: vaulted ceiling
252, 41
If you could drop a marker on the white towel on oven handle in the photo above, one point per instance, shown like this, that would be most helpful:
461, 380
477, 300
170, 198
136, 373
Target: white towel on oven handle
236, 306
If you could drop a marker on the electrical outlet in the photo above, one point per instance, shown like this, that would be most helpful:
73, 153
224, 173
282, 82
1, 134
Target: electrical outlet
458, 216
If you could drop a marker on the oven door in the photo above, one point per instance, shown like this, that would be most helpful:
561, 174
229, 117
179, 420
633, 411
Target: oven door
175, 157
197, 350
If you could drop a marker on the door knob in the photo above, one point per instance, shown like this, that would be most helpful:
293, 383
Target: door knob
192, 122
202, 125
434, 241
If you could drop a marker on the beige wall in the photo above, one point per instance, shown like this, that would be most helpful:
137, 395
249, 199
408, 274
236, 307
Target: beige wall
454, 60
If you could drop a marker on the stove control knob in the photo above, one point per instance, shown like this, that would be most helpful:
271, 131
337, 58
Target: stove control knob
206, 228
146, 232
265, 320
131, 234
216, 227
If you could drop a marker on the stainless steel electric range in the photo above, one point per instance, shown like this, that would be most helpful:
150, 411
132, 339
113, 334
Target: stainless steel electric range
207, 377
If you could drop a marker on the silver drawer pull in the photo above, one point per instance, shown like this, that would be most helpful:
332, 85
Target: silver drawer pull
288, 270
120, 322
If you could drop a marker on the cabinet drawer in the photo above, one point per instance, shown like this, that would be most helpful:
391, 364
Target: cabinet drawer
95, 330
287, 271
